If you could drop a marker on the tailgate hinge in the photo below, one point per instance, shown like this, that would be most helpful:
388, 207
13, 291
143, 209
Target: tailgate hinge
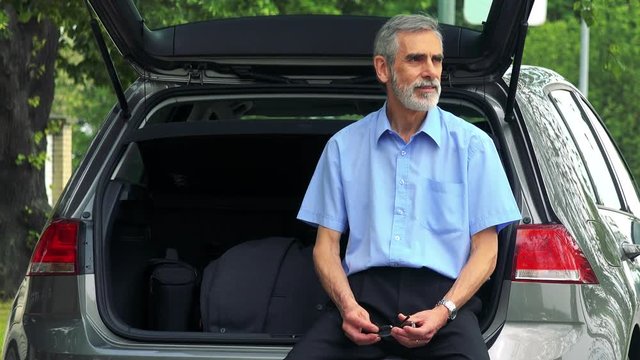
197, 74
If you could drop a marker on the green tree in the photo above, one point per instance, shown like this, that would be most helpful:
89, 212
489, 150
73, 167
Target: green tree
555, 45
36, 38
28, 50
613, 76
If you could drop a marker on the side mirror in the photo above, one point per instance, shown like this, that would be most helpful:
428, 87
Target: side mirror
635, 231
632, 251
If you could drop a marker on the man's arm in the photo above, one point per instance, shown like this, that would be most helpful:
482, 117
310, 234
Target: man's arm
479, 266
355, 319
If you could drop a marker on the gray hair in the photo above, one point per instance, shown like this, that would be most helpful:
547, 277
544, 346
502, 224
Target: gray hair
386, 42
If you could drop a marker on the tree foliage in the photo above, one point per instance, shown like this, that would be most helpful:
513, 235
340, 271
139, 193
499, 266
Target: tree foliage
28, 50
38, 41
161, 13
613, 75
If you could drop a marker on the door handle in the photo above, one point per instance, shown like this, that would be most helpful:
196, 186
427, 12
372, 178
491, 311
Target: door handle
631, 251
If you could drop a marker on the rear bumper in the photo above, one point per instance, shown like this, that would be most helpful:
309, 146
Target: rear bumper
79, 340
79, 333
536, 340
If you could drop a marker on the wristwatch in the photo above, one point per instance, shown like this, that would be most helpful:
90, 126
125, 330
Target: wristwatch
451, 307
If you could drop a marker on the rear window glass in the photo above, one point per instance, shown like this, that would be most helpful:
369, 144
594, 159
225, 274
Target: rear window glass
591, 152
292, 107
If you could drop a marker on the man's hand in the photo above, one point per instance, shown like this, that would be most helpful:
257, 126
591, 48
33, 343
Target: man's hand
427, 323
358, 327
355, 319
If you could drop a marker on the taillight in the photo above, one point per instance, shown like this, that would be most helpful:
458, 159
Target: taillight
57, 250
548, 253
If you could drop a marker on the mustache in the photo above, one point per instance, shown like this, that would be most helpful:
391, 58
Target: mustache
420, 83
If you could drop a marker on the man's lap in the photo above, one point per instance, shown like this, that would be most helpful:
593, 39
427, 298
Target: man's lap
385, 292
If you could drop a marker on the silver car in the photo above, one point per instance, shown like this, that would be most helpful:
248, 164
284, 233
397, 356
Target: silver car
177, 238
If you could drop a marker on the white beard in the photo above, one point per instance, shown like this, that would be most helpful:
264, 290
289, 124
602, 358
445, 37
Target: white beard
412, 101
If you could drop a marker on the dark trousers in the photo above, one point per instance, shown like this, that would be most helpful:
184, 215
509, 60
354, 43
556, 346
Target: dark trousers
385, 292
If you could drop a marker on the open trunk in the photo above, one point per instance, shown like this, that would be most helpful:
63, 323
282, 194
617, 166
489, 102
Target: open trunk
204, 188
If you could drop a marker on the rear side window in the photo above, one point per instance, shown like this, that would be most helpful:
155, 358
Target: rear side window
627, 184
592, 154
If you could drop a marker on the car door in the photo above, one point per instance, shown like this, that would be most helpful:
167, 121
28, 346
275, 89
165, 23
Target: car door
616, 200
628, 218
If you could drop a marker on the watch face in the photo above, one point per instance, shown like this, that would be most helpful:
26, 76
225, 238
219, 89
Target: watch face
451, 307
453, 313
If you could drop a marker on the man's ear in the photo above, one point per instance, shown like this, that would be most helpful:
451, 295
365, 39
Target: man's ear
382, 69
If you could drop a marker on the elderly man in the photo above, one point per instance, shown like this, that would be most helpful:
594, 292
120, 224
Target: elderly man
423, 196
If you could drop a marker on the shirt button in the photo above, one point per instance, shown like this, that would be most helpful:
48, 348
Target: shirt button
396, 237
401, 181
400, 212
403, 153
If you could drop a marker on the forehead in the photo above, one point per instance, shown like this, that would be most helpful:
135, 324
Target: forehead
419, 42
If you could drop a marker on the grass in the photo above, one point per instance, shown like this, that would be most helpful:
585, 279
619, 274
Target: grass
5, 307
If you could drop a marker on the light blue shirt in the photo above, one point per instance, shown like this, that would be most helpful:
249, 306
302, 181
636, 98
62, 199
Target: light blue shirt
412, 204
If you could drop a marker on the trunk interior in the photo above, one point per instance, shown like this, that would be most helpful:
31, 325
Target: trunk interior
202, 234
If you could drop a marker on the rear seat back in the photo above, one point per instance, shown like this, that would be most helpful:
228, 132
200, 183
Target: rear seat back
262, 286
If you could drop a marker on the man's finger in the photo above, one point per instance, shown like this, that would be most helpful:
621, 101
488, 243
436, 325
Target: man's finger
361, 338
363, 323
355, 334
368, 327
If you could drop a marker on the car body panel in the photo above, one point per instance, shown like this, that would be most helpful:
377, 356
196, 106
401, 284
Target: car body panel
553, 334
546, 340
609, 306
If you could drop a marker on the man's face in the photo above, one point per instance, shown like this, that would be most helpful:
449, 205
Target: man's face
415, 74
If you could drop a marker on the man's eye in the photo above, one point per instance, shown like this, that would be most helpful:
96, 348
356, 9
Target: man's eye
437, 59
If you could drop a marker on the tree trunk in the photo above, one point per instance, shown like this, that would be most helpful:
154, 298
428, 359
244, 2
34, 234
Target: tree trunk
27, 58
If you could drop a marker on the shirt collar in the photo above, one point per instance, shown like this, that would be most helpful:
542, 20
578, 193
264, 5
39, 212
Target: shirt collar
432, 125
382, 122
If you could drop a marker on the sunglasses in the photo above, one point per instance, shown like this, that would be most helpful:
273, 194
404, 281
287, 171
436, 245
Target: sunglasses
385, 330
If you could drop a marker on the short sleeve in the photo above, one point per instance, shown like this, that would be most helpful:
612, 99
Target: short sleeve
323, 202
491, 201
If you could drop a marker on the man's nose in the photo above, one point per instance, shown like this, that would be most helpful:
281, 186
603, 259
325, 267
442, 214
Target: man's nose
429, 70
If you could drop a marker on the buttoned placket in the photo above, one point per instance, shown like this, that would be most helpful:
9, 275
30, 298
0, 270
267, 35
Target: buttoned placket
399, 224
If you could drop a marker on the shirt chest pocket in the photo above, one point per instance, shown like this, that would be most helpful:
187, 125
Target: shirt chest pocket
440, 206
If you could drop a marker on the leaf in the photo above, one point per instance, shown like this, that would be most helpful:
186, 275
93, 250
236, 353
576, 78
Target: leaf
4, 25
37, 137
34, 101
20, 159
24, 16
38, 44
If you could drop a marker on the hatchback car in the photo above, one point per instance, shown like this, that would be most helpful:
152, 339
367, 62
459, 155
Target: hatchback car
177, 235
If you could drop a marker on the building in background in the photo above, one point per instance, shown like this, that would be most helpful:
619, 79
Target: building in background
58, 165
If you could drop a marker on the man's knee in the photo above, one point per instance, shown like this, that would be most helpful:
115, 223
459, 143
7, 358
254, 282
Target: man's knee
460, 339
